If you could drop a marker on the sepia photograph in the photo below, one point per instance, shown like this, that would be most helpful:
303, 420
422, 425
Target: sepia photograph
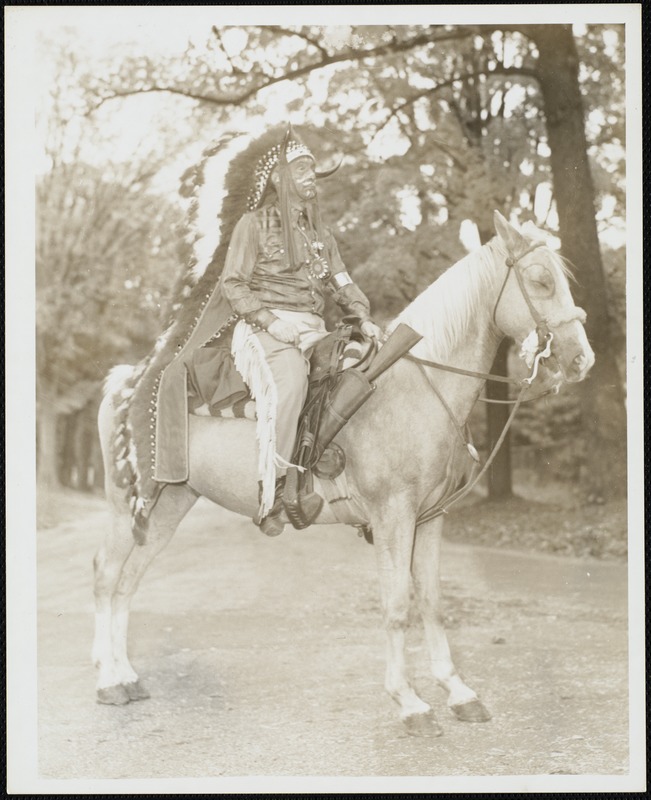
324, 433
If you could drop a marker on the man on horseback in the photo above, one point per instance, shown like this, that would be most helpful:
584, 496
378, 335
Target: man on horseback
246, 314
280, 263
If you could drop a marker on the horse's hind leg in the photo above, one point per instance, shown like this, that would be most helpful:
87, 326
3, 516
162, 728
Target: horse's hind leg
462, 700
119, 566
108, 564
393, 543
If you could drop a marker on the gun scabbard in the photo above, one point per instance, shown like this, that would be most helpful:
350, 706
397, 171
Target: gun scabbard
400, 342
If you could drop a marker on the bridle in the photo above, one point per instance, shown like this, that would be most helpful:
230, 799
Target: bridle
542, 324
543, 350
512, 266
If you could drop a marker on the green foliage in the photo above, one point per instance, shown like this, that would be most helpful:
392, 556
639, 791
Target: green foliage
556, 418
105, 257
106, 242
460, 102
615, 270
602, 78
438, 124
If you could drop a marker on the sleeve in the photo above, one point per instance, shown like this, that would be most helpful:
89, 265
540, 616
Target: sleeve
240, 262
346, 294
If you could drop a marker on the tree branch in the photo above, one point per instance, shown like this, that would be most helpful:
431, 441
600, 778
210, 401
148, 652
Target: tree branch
235, 70
190, 95
523, 71
299, 72
309, 39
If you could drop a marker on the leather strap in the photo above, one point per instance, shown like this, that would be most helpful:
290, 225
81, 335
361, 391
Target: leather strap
447, 368
442, 506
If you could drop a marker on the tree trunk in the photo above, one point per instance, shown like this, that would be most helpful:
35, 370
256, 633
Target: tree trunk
67, 460
499, 477
500, 484
85, 442
47, 446
602, 400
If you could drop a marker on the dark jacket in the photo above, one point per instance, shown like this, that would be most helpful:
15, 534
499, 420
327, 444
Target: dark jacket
257, 275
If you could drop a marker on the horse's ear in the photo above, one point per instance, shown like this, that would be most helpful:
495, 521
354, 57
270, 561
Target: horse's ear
511, 237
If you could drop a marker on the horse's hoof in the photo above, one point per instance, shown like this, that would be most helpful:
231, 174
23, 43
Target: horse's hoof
473, 711
423, 725
113, 695
136, 691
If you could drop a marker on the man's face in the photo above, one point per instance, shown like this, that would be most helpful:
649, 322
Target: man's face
303, 183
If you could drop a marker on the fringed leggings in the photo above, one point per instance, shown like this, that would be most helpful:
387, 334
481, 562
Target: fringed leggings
279, 405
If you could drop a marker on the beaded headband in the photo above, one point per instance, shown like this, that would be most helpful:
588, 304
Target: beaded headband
266, 165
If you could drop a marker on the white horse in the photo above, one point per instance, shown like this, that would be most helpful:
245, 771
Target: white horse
404, 454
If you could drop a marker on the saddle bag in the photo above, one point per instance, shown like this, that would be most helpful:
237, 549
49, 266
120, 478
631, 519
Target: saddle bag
350, 393
341, 398
355, 387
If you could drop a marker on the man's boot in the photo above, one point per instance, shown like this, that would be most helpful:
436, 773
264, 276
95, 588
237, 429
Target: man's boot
271, 525
302, 507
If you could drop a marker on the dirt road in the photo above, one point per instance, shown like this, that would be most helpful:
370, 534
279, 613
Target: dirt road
265, 657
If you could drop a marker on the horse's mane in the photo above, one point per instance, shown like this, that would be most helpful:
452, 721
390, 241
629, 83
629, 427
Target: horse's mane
443, 311
534, 234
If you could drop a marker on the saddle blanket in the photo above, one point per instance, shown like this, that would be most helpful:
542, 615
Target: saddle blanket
245, 408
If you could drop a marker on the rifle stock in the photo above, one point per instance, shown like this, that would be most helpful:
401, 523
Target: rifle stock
401, 340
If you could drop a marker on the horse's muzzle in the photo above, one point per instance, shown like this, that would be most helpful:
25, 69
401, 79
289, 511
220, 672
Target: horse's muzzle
577, 366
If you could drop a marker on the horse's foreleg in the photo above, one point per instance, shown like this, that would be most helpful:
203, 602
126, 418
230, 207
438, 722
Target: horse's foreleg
462, 700
120, 683
393, 546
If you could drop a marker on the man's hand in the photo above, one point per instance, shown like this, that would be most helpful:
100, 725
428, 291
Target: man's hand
371, 330
284, 332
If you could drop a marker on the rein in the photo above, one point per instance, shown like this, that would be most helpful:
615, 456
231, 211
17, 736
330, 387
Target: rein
442, 506
488, 376
545, 337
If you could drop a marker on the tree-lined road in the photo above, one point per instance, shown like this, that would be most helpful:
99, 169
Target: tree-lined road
265, 657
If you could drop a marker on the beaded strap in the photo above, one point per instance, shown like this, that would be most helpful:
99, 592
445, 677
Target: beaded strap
266, 165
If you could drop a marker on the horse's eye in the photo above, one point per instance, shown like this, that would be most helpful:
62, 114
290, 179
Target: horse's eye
541, 280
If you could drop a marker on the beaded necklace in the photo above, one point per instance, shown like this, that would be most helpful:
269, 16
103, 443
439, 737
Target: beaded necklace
315, 262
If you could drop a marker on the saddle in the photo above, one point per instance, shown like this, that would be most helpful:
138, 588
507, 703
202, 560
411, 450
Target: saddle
335, 393
327, 460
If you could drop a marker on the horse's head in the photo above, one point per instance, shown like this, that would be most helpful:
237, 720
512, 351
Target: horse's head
535, 301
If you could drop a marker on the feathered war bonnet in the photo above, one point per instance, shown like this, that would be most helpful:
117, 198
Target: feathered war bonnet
233, 178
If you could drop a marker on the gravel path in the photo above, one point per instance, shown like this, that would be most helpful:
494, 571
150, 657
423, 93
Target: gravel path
264, 657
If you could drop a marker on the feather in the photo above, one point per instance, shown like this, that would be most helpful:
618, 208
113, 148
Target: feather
162, 341
118, 377
209, 196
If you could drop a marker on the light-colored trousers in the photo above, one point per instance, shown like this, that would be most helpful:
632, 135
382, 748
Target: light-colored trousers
290, 368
